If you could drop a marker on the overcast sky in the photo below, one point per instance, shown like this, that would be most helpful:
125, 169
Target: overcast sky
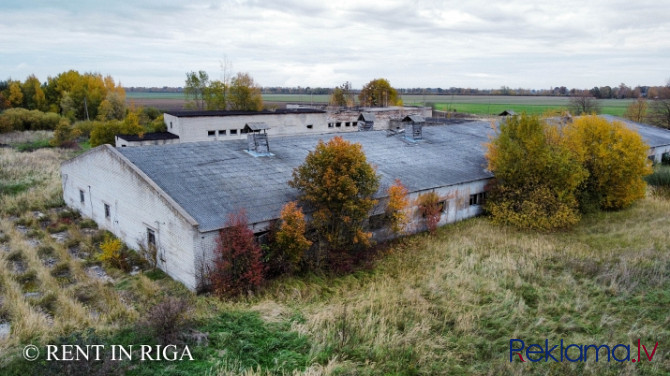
477, 44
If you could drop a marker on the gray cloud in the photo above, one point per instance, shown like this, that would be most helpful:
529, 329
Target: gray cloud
301, 42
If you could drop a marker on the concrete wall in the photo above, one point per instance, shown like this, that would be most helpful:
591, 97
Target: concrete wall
658, 152
383, 115
120, 142
105, 178
193, 129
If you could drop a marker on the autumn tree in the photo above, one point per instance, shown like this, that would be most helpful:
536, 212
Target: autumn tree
290, 242
583, 102
237, 265
536, 176
637, 111
342, 96
430, 210
245, 94
64, 135
338, 183
379, 93
33, 95
615, 157
396, 209
216, 95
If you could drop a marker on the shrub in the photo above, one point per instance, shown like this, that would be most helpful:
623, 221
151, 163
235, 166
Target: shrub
290, 241
396, 208
113, 252
430, 210
615, 158
536, 176
21, 119
167, 319
237, 266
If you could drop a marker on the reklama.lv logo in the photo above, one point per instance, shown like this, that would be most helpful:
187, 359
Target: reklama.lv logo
576, 353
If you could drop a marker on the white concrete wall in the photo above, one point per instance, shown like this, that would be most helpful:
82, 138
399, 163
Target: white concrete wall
457, 204
135, 206
658, 151
120, 142
193, 129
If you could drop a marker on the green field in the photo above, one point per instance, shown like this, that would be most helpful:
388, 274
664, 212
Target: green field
480, 105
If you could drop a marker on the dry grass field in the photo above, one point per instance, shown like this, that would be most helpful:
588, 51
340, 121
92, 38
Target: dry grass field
443, 304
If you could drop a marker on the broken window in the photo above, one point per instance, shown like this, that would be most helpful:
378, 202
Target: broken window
338, 124
477, 198
309, 126
107, 211
151, 237
378, 221
665, 158
233, 131
347, 124
211, 133
330, 125
82, 199
222, 132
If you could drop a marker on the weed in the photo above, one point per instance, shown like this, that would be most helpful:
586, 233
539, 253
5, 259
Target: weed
88, 223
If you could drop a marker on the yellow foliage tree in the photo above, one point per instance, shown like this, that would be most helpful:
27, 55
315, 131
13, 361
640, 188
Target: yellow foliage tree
536, 176
615, 157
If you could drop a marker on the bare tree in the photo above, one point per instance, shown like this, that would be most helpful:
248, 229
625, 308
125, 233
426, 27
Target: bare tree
583, 102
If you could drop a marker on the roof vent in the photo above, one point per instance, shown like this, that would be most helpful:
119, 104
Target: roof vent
257, 139
366, 121
413, 127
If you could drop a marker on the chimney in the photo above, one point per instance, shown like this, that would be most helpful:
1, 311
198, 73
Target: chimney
413, 127
257, 138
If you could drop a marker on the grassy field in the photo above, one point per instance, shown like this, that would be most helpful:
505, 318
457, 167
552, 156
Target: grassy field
443, 304
480, 105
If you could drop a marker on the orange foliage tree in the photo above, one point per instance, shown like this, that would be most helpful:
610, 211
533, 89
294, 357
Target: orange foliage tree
290, 240
338, 182
396, 207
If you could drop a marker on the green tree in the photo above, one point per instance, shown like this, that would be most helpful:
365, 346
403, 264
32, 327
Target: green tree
338, 183
615, 158
113, 107
195, 89
33, 95
245, 94
536, 176
65, 135
342, 96
379, 93
216, 95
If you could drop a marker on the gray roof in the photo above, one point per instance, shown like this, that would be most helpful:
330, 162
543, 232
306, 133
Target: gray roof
257, 126
653, 136
414, 119
211, 179
366, 116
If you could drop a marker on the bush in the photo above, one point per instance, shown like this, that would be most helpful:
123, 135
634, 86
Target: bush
615, 158
290, 241
430, 210
237, 266
113, 253
167, 319
21, 119
536, 176
396, 208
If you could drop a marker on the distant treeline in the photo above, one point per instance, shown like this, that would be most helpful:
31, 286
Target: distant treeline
622, 91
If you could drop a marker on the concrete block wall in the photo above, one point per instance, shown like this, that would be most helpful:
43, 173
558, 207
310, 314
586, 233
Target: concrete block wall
134, 207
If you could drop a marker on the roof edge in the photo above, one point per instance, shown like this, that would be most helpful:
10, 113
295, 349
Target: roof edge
153, 185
